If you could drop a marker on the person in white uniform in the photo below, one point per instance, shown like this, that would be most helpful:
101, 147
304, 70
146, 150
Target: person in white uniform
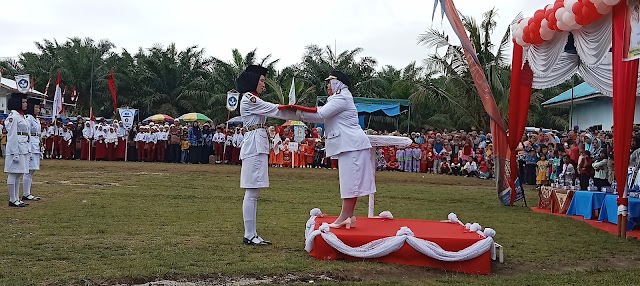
16, 162
255, 146
346, 140
35, 144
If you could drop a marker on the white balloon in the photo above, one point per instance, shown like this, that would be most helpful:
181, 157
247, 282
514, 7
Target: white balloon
544, 24
559, 13
569, 19
546, 34
548, 7
568, 4
522, 42
611, 2
563, 26
603, 8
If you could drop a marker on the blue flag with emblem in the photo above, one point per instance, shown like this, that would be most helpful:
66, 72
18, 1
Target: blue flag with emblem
232, 99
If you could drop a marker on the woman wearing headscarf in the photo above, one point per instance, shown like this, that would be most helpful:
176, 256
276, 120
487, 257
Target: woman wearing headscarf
35, 143
207, 145
347, 141
195, 143
16, 162
255, 146
87, 136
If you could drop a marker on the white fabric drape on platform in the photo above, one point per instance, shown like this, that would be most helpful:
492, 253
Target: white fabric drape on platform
387, 245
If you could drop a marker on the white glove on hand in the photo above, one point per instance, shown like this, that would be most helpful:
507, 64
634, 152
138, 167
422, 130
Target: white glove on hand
16, 158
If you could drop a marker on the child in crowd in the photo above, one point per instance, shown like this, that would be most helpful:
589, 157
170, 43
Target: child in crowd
184, 146
542, 169
470, 168
445, 169
456, 168
484, 170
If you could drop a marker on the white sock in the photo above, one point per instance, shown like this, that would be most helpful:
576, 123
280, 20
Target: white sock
26, 183
12, 181
249, 211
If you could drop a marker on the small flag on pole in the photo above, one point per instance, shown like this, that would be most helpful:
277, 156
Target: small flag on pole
112, 88
58, 108
292, 92
46, 89
73, 94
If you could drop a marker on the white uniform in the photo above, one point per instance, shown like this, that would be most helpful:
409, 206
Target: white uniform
255, 145
35, 142
347, 140
17, 155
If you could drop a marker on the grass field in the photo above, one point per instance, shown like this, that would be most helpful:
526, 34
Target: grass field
104, 223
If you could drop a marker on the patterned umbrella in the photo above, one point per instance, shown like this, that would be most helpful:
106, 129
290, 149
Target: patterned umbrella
158, 118
293, 123
193, 117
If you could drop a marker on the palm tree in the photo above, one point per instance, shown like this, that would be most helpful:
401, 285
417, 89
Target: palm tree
493, 59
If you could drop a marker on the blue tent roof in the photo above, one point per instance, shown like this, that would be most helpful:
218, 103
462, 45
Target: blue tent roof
579, 91
377, 106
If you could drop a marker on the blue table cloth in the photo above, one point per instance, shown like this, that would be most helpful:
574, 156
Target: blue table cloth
609, 210
585, 202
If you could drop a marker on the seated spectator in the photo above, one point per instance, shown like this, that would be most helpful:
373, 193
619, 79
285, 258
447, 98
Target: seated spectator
470, 168
456, 168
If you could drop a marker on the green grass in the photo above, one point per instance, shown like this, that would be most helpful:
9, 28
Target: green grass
108, 223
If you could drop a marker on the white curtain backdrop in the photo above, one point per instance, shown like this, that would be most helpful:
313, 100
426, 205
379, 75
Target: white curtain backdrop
551, 65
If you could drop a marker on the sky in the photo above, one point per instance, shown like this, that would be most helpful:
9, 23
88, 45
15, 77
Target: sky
386, 29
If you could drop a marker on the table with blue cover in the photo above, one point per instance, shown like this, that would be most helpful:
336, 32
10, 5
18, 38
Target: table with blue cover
609, 210
585, 202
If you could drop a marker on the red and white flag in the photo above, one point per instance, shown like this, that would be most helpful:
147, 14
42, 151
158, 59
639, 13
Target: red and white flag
46, 89
1, 70
58, 108
73, 94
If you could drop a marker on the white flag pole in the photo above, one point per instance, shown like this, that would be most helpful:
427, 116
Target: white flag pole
292, 92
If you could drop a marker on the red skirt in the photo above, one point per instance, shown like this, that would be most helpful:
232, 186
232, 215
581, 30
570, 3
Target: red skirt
120, 149
84, 153
101, 150
161, 147
218, 148
111, 151
235, 156
140, 149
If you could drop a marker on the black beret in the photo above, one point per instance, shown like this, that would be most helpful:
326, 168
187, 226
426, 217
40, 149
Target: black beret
340, 76
257, 69
247, 81
34, 101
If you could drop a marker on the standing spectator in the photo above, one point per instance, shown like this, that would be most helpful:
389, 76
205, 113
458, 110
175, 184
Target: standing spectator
601, 176
585, 170
195, 143
175, 133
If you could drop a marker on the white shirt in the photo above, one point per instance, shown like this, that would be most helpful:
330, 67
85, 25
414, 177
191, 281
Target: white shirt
34, 128
218, 137
255, 111
341, 123
471, 166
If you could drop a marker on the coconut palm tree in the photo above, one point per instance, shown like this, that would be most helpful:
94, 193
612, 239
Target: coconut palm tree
451, 65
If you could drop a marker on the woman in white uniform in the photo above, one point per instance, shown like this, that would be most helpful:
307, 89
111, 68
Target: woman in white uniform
255, 146
346, 140
35, 130
16, 162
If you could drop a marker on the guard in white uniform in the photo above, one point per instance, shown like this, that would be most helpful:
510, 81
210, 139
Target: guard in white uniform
35, 143
16, 162
255, 146
347, 140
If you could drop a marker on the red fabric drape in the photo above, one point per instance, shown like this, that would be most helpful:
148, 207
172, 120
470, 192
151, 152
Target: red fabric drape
625, 75
519, 99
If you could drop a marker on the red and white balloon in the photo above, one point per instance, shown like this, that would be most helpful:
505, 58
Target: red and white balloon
561, 16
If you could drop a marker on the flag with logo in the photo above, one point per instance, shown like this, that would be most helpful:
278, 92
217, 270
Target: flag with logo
232, 100
292, 92
23, 83
58, 107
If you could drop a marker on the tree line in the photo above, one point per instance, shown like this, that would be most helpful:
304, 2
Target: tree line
164, 79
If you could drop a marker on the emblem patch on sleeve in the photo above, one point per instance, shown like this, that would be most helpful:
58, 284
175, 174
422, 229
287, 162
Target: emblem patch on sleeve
252, 99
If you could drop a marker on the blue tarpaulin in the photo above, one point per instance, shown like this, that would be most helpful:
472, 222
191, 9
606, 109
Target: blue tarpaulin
388, 109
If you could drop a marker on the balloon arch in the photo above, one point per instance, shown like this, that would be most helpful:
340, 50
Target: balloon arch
577, 36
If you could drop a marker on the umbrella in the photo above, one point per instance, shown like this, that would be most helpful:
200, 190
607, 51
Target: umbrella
193, 117
235, 120
158, 118
293, 123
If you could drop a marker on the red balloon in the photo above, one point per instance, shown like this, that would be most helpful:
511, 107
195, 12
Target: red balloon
526, 37
538, 15
553, 22
589, 11
577, 8
558, 5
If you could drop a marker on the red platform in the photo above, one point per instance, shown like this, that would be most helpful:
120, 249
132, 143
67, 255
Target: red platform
449, 236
